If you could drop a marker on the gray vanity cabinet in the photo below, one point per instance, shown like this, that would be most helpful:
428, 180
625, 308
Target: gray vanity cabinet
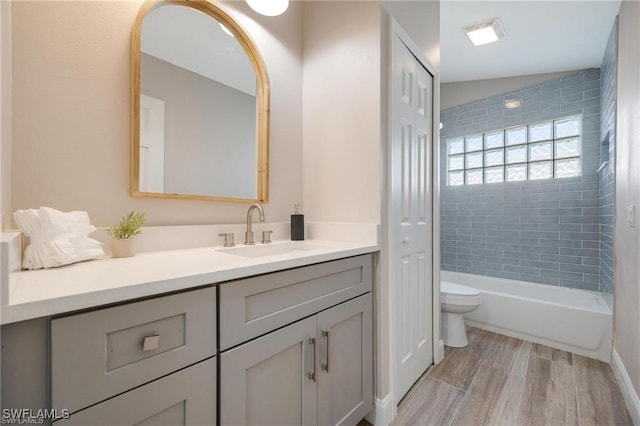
316, 370
187, 397
266, 381
128, 363
345, 373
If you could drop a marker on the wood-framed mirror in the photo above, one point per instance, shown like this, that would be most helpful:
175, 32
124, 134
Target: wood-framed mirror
199, 105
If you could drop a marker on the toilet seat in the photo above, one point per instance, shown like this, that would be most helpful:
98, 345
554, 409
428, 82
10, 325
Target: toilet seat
456, 294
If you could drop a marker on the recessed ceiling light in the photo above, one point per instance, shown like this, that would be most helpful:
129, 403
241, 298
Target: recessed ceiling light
269, 7
513, 103
485, 32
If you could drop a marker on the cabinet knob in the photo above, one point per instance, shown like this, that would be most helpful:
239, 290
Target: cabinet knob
151, 343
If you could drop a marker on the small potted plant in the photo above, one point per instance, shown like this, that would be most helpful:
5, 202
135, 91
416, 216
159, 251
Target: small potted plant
124, 234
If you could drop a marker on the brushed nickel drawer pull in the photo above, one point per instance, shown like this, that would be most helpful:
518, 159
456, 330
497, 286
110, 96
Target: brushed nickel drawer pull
312, 374
151, 343
325, 364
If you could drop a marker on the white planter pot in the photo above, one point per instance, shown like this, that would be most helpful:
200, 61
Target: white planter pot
123, 248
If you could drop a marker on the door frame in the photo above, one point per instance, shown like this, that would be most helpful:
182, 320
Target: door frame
387, 407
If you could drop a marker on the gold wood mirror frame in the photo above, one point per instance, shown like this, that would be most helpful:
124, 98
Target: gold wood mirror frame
262, 101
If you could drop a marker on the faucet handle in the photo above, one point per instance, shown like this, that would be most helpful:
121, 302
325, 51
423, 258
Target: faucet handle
228, 239
266, 237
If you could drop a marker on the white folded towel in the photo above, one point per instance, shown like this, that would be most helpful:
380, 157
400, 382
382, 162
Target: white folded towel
56, 238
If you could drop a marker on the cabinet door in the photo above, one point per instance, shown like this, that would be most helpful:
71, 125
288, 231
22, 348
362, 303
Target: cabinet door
345, 377
187, 397
267, 380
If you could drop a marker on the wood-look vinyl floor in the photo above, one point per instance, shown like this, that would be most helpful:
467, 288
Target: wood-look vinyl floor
498, 380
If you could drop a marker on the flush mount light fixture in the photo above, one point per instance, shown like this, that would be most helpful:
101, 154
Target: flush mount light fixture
485, 32
512, 103
269, 7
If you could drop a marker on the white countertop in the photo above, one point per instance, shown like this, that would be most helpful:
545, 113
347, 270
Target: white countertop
34, 294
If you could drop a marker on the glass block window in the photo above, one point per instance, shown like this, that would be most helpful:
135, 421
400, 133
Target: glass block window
550, 149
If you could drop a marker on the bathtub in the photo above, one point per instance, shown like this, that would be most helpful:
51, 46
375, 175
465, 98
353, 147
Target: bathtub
577, 321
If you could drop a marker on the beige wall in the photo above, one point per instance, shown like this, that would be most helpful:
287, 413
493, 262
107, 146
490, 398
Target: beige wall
5, 114
71, 67
341, 98
627, 239
462, 92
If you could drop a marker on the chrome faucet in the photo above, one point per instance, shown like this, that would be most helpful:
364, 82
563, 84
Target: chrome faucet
248, 236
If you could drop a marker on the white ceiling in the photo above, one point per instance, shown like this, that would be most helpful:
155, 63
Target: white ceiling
541, 37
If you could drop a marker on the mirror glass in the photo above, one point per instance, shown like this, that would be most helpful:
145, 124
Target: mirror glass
199, 106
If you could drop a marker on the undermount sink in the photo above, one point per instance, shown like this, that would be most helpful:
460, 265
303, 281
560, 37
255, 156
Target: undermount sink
268, 249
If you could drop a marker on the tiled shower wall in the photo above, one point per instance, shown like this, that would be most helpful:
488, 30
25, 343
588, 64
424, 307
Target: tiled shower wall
544, 231
608, 143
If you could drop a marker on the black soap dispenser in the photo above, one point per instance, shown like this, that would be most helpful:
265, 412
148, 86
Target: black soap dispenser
297, 225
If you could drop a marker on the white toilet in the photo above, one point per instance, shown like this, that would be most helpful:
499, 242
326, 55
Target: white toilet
455, 300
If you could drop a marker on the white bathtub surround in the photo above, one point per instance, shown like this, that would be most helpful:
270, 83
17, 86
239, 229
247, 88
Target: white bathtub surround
573, 320
626, 386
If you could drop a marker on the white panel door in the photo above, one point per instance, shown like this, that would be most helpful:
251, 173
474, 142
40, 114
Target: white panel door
151, 144
411, 219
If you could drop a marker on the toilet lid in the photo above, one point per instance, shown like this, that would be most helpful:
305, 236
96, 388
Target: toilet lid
461, 290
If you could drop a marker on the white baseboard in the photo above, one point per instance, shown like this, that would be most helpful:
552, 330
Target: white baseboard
382, 412
629, 393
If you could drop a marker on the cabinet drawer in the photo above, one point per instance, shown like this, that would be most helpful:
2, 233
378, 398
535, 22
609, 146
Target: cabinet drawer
98, 354
255, 306
187, 397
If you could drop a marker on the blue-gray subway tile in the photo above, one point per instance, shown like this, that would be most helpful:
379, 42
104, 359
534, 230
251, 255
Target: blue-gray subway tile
486, 239
577, 211
580, 252
522, 241
540, 219
561, 275
561, 259
540, 204
583, 269
564, 195
521, 227
579, 203
539, 249
540, 265
560, 227
522, 269
522, 256
579, 236
579, 219
588, 227
561, 243
521, 212
541, 188
590, 261
539, 235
